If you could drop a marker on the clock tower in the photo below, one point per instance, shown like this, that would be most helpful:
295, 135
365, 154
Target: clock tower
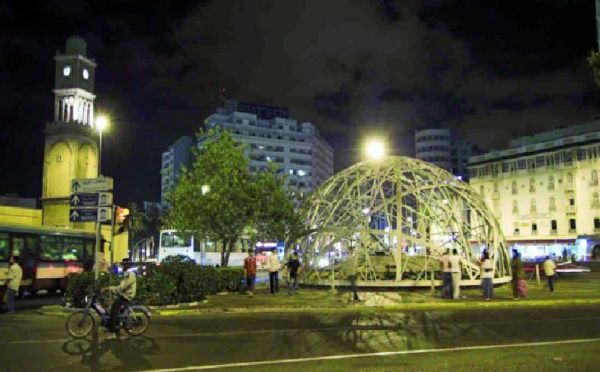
71, 141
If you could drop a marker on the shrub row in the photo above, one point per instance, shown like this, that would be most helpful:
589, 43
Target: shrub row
176, 280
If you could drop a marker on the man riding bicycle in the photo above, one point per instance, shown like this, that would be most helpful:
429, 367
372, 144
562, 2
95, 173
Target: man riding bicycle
125, 292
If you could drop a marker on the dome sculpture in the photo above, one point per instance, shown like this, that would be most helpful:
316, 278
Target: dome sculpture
399, 215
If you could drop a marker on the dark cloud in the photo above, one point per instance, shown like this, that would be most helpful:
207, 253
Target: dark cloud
353, 67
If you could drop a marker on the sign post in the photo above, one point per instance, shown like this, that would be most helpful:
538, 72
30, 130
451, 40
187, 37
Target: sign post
91, 200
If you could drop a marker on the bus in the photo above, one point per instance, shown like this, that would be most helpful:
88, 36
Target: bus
173, 243
46, 254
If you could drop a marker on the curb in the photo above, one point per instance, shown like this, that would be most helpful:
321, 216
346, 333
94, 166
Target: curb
179, 311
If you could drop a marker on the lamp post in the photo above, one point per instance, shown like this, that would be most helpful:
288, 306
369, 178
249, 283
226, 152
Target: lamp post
101, 124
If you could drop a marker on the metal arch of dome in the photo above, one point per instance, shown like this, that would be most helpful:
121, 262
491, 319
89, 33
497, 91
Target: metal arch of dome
360, 208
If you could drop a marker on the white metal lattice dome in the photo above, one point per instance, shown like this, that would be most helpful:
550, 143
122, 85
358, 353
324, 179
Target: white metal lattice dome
399, 214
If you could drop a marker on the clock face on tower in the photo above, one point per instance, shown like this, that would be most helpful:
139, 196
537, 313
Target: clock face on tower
66, 71
86, 74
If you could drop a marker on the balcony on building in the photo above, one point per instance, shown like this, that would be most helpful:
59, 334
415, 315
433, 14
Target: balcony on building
571, 209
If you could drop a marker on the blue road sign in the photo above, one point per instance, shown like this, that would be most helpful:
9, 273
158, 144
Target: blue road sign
101, 214
100, 199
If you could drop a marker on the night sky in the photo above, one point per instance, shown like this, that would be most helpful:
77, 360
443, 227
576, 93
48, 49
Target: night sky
492, 69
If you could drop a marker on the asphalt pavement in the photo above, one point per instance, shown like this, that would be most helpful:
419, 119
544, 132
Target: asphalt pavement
280, 341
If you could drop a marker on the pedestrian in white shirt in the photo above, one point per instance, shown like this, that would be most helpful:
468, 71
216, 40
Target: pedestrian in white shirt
455, 267
15, 274
550, 272
487, 276
273, 268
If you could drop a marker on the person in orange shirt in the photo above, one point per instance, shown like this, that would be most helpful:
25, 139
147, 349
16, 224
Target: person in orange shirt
250, 272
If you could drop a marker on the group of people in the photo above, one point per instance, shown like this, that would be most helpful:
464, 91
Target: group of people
519, 285
452, 268
292, 270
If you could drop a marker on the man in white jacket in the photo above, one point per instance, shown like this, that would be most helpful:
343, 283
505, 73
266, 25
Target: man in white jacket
15, 274
273, 267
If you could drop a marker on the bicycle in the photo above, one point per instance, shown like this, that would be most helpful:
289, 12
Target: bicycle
134, 319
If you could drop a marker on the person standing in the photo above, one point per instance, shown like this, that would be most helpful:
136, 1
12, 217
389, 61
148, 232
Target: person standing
455, 267
351, 273
487, 276
273, 267
250, 272
447, 290
550, 272
294, 270
518, 275
15, 274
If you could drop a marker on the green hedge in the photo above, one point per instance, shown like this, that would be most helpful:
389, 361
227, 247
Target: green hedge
175, 280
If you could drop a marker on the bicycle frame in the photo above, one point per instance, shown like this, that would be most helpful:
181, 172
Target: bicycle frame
104, 315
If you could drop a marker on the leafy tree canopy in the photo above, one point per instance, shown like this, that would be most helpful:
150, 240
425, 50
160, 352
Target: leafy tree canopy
220, 198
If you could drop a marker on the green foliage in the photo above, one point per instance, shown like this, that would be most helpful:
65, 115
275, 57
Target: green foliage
213, 198
157, 289
220, 198
276, 217
594, 63
80, 285
177, 280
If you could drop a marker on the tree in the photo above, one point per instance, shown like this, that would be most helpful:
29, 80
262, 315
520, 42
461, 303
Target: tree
594, 63
215, 198
276, 216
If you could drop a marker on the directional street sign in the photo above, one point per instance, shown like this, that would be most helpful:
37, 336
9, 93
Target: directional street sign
81, 185
101, 214
99, 199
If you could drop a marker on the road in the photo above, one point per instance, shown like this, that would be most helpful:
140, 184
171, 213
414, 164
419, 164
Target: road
42, 298
292, 341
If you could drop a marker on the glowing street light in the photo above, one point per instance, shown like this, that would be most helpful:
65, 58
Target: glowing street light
375, 149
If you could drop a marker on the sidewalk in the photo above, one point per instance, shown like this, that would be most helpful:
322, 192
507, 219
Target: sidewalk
582, 289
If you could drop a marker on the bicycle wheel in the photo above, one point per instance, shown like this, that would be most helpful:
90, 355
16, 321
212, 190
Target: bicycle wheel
136, 322
80, 324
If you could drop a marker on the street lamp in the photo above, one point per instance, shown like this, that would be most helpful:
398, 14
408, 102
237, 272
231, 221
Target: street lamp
101, 124
375, 149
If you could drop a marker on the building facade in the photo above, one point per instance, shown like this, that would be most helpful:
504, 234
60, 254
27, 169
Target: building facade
440, 147
434, 146
178, 155
544, 191
462, 150
273, 136
71, 141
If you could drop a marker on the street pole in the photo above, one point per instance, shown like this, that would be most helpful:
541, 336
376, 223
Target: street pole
98, 232
112, 236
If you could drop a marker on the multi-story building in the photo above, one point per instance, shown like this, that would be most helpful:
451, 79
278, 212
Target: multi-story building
544, 191
440, 147
461, 151
273, 136
434, 146
179, 154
